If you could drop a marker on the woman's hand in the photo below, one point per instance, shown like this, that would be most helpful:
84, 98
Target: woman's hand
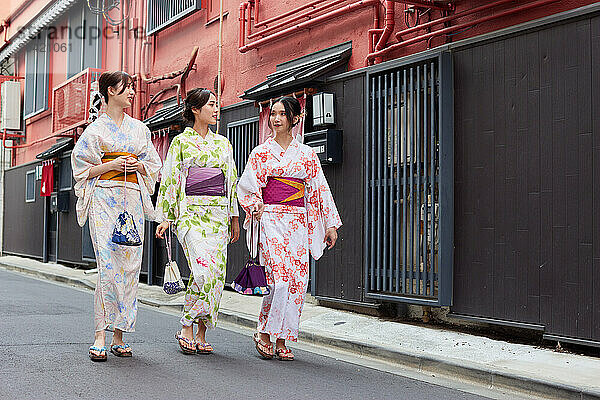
235, 229
330, 237
133, 165
160, 229
118, 164
258, 210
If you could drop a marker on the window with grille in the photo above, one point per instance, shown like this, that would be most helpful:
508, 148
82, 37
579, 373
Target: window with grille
409, 182
243, 136
163, 13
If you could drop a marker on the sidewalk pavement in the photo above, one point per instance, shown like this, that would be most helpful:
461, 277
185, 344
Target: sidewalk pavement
433, 351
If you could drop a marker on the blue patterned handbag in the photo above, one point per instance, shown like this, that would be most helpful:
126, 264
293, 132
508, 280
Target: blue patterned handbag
125, 232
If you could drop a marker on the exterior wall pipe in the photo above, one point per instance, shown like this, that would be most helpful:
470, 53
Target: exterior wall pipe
249, 20
242, 20
255, 4
452, 17
459, 27
389, 26
22, 146
306, 14
449, 6
285, 14
371, 34
125, 25
307, 24
120, 45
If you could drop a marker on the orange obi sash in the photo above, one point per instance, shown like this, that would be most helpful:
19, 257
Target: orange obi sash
118, 175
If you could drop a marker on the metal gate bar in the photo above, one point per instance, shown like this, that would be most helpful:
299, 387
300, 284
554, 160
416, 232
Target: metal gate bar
243, 136
409, 181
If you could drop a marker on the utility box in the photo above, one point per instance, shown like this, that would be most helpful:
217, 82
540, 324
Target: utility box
59, 201
10, 106
323, 109
327, 144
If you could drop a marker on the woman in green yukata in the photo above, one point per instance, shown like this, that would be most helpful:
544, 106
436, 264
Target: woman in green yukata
198, 196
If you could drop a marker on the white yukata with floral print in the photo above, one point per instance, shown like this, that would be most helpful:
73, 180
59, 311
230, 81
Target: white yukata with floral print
115, 298
202, 223
287, 233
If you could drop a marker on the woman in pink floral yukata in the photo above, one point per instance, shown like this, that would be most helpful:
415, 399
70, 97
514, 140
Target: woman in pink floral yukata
285, 189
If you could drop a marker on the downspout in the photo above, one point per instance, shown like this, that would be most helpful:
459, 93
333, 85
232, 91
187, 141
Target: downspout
125, 36
388, 29
242, 20
256, 3
121, 43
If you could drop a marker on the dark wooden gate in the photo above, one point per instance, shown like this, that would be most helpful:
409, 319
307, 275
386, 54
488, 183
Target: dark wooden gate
527, 179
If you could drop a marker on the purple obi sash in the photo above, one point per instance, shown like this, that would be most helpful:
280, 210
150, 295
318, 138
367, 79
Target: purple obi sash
284, 191
203, 181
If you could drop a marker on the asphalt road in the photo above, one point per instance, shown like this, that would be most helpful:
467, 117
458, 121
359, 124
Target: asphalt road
46, 329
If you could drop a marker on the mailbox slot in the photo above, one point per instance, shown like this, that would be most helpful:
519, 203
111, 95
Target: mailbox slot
327, 144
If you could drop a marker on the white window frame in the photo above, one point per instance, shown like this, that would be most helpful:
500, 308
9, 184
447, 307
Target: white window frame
64, 163
32, 175
45, 73
71, 40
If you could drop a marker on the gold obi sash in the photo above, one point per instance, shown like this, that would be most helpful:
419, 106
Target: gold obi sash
118, 175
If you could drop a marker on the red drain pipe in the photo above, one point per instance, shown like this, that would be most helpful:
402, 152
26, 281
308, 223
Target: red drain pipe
457, 28
447, 6
285, 14
451, 17
243, 7
21, 146
255, 5
388, 28
306, 14
307, 24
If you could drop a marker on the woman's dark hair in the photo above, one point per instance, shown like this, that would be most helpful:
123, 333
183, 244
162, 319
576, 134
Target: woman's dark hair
113, 79
292, 109
195, 98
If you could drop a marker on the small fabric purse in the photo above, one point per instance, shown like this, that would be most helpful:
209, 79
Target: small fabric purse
252, 279
125, 232
172, 282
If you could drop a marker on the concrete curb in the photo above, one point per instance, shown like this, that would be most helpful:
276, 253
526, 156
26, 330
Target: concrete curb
471, 372
49, 275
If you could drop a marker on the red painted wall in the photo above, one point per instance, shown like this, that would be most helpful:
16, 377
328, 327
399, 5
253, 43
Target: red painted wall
169, 50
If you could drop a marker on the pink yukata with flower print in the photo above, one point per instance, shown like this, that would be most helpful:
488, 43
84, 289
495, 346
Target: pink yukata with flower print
288, 234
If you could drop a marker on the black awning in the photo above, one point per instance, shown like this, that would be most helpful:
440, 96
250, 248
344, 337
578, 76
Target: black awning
56, 149
302, 72
165, 116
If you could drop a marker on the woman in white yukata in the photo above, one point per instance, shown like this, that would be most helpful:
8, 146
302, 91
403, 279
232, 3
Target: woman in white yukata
197, 195
285, 189
113, 149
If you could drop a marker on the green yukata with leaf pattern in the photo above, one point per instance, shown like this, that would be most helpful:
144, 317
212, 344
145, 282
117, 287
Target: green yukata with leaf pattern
202, 223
